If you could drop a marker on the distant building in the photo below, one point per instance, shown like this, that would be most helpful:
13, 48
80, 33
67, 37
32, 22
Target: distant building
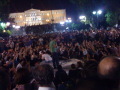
37, 17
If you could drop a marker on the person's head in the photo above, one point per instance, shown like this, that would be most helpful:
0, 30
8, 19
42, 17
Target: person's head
79, 65
43, 74
109, 68
4, 80
60, 67
53, 38
73, 66
22, 76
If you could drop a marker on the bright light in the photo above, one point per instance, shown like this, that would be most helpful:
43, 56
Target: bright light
99, 12
67, 27
47, 20
20, 16
62, 23
94, 12
67, 21
69, 18
82, 17
13, 26
17, 27
48, 14
8, 24
4, 30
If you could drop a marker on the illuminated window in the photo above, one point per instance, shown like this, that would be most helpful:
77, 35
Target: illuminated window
20, 16
48, 14
47, 20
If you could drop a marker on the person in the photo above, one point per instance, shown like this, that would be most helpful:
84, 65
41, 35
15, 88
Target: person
44, 75
109, 72
73, 72
4, 80
23, 80
46, 57
53, 49
60, 76
79, 69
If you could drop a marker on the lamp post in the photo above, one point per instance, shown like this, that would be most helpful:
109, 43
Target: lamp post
97, 13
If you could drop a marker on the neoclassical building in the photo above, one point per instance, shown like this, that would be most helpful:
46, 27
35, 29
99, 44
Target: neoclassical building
37, 17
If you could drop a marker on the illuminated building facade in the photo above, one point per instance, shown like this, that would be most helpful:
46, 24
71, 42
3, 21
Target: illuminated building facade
37, 17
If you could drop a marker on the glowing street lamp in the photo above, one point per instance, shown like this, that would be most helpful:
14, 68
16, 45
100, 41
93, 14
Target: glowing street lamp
69, 20
97, 13
82, 18
94, 12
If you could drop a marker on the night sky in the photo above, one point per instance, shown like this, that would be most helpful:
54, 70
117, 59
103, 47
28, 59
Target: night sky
22, 5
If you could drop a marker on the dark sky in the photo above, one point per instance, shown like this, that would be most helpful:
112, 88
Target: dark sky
22, 5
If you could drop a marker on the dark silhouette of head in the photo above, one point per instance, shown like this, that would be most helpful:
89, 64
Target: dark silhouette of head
44, 74
22, 76
4, 80
109, 68
73, 66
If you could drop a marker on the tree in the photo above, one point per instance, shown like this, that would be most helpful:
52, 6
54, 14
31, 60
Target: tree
111, 18
86, 7
4, 9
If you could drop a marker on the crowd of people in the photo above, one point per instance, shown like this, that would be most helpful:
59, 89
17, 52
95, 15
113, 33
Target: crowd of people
24, 61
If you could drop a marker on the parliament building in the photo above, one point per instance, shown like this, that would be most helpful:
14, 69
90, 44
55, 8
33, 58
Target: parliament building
36, 17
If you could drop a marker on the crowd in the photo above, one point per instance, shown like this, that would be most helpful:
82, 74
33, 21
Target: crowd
24, 61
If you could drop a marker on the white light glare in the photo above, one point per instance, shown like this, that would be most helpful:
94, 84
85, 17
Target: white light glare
8, 24
82, 17
62, 23
13, 26
94, 12
99, 12
17, 27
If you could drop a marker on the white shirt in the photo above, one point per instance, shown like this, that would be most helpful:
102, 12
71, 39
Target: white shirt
47, 57
40, 39
18, 66
45, 88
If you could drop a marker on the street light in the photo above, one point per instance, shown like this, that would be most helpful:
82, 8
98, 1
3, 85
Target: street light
69, 20
94, 12
82, 18
97, 13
